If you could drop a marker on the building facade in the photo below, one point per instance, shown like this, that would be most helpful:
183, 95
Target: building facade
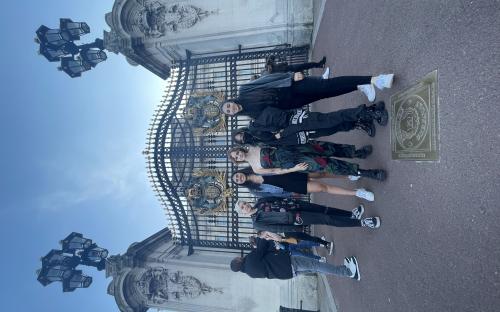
156, 33
157, 274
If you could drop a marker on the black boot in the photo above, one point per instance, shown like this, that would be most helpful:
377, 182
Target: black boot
321, 63
366, 126
376, 174
363, 152
378, 112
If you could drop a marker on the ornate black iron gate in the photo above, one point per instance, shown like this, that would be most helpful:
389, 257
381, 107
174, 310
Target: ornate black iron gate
174, 151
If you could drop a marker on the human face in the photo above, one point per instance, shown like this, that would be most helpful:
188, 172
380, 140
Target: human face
246, 208
238, 155
239, 138
239, 178
230, 108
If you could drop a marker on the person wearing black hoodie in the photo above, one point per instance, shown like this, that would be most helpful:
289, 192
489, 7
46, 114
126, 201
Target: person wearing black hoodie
267, 262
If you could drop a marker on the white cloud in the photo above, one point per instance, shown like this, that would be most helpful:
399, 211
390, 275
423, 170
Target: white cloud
120, 180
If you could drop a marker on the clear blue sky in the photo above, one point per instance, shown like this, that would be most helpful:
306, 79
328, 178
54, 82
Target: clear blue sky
71, 156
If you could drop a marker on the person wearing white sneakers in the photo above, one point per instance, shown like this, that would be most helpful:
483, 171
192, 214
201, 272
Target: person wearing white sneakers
383, 81
280, 215
264, 262
295, 182
290, 90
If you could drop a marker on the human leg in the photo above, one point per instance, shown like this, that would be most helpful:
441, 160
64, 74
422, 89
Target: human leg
305, 244
307, 237
298, 253
328, 149
295, 68
325, 88
309, 218
307, 265
327, 164
341, 120
321, 209
317, 187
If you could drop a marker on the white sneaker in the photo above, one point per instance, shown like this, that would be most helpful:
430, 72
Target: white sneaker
362, 193
331, 247
372, 223
384, 81
357, 212
326, 74
322, 259
368, 90
352, 264
353, 177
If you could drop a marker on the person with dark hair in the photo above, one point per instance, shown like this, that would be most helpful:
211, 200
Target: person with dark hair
280, 215
264, 262
282, 67
284, 123
297, 240
293, 246
296, 182
292, 90
286, 159
254, 136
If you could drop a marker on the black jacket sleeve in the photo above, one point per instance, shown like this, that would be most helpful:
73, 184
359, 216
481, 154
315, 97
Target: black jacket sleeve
270, 119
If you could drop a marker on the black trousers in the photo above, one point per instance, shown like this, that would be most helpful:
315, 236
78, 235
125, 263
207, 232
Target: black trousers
305, 236
309, 218
325, 123
312, 89
311, 213
294, 68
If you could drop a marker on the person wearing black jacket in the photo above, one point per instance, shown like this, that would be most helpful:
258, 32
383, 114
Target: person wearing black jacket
278, 215
273, 67
257, 137
284, 123
266, 262
293, 90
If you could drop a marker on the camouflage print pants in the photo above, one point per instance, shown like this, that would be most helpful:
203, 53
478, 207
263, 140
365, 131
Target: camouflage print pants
287, 157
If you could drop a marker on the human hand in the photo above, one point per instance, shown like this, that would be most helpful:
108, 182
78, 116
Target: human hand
301, 167
298, 76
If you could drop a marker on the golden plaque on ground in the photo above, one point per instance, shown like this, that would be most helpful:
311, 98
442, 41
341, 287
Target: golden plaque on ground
414, 121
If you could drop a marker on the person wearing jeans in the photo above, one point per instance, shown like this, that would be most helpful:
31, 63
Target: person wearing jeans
264, 262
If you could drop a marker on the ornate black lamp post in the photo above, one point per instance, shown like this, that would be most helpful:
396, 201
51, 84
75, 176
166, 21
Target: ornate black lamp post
60, 265
58, 45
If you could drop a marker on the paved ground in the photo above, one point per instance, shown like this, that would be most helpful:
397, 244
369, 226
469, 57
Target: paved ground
438, 248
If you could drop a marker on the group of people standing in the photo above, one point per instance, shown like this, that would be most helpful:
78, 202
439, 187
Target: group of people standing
284, 159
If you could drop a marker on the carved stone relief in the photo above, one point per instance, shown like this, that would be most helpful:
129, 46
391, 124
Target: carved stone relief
159, 285
155, 18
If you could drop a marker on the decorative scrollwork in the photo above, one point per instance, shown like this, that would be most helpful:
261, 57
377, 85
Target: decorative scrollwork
208, 193
156, 18
203, 113
159, 285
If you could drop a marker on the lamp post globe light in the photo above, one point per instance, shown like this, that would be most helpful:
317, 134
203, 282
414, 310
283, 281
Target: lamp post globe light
58, 45
75, 241
60, 265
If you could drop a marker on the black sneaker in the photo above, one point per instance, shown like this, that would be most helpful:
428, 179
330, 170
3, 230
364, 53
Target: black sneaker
372, 223
379, 113
366, 126
322, 62
363, 152
357, 212
376, 174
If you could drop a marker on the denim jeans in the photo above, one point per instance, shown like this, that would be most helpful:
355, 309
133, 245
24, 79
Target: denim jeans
302, 265
294, 249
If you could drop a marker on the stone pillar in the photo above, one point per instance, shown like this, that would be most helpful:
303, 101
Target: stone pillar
154, 33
